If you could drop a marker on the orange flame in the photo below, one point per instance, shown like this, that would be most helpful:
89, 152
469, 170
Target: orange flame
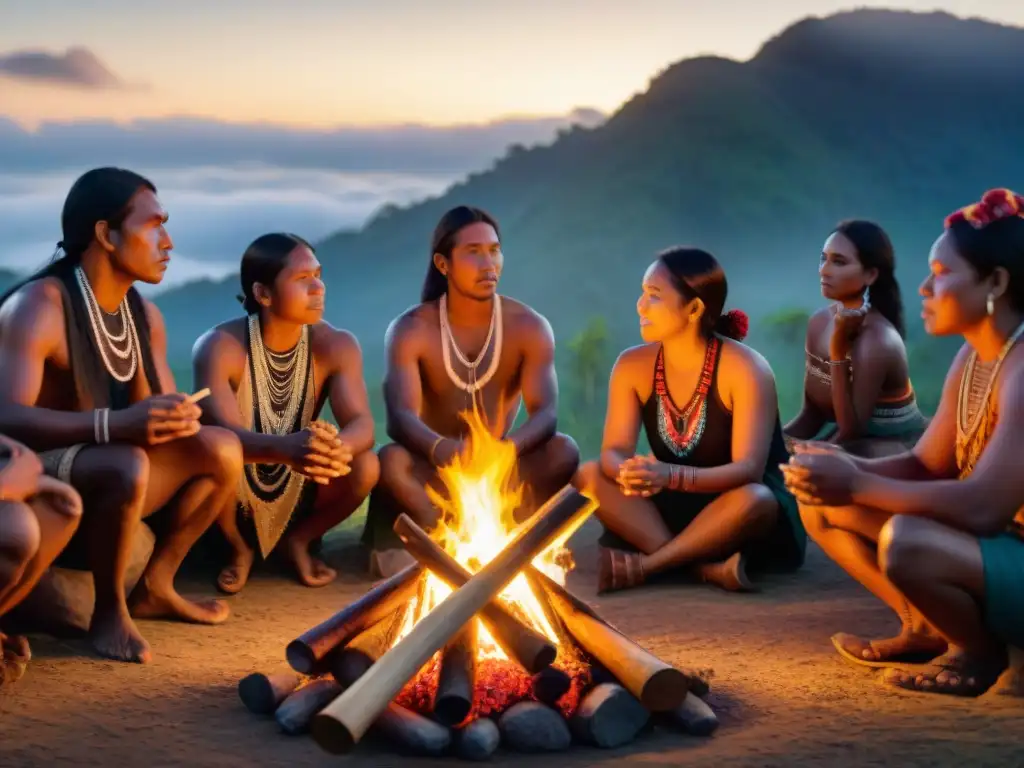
477, 522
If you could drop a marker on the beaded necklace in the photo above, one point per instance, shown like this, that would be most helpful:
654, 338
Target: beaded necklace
973, 406
682, 428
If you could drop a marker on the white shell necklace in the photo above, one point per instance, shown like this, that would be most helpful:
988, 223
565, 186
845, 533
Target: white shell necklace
123, 345
494, 332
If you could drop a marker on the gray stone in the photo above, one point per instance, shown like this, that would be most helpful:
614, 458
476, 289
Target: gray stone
63, 600
693, 716
608, 717
478, 740
530, 726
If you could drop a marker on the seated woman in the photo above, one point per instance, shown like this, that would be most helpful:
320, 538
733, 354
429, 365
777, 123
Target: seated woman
270, 373
712, 494
936, 532
857, 390
38, 515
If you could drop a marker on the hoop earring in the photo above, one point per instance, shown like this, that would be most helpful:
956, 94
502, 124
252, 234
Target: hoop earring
990, 305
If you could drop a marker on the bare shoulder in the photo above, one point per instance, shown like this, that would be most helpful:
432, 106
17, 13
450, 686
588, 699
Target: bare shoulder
338, 345
635, 365
410, 328
35, 311
154, 317
819, 320
741, 364
524, 320
881, 336
224, 340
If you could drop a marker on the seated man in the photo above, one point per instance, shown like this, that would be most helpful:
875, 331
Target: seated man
937, 532
270, 374
84, 380
38, 516
464, 345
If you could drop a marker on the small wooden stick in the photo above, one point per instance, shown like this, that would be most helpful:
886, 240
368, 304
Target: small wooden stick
196, 397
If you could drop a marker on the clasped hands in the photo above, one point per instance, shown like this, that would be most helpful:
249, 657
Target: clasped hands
319, 453
643, 476
821, 474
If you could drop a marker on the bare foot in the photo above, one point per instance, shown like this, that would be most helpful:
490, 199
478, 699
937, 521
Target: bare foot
908, 647
312, 571
148, 603
729, 574
14, 658
115, 636
234, 576
957, 673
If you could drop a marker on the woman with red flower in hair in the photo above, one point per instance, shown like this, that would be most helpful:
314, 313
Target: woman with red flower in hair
711, 495
936, 532
857, 390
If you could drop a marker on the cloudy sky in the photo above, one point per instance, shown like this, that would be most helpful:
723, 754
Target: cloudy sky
309, 115
315, 63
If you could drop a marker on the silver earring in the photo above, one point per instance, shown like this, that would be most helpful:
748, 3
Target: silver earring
990, 305
867, 296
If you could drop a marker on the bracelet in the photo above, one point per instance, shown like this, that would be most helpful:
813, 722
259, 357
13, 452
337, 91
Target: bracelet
101, 426
433, 448
681, 477
844, 361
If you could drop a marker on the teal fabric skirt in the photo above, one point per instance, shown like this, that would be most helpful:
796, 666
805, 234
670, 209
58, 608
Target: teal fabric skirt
783, 550
899, 421
1003, 560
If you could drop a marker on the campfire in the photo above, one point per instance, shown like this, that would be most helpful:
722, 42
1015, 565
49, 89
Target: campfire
478, 642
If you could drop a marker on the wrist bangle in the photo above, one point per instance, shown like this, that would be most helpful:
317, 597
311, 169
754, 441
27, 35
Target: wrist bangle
101, 426
433, 448
844, 361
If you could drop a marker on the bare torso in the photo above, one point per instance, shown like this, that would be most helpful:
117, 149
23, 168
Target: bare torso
57, 388
442, 399
897, 375
230, 346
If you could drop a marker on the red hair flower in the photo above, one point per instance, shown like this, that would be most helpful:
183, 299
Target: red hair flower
734, 324
994, 205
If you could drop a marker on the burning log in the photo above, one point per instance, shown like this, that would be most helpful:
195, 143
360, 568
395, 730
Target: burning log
551, 684
297, 711
349, 663
343, 722
454, 698
262, 694
532, 650
658, 686
310, 648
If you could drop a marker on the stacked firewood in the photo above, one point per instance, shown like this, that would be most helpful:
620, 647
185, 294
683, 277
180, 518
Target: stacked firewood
428, 693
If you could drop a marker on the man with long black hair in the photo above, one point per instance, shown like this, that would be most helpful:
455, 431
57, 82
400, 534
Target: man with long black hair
84, 380
463, 347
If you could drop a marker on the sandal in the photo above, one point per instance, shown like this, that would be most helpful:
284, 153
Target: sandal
902, 649
954, 674
619, 569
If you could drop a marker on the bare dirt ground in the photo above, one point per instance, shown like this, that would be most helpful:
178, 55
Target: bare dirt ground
782, 694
